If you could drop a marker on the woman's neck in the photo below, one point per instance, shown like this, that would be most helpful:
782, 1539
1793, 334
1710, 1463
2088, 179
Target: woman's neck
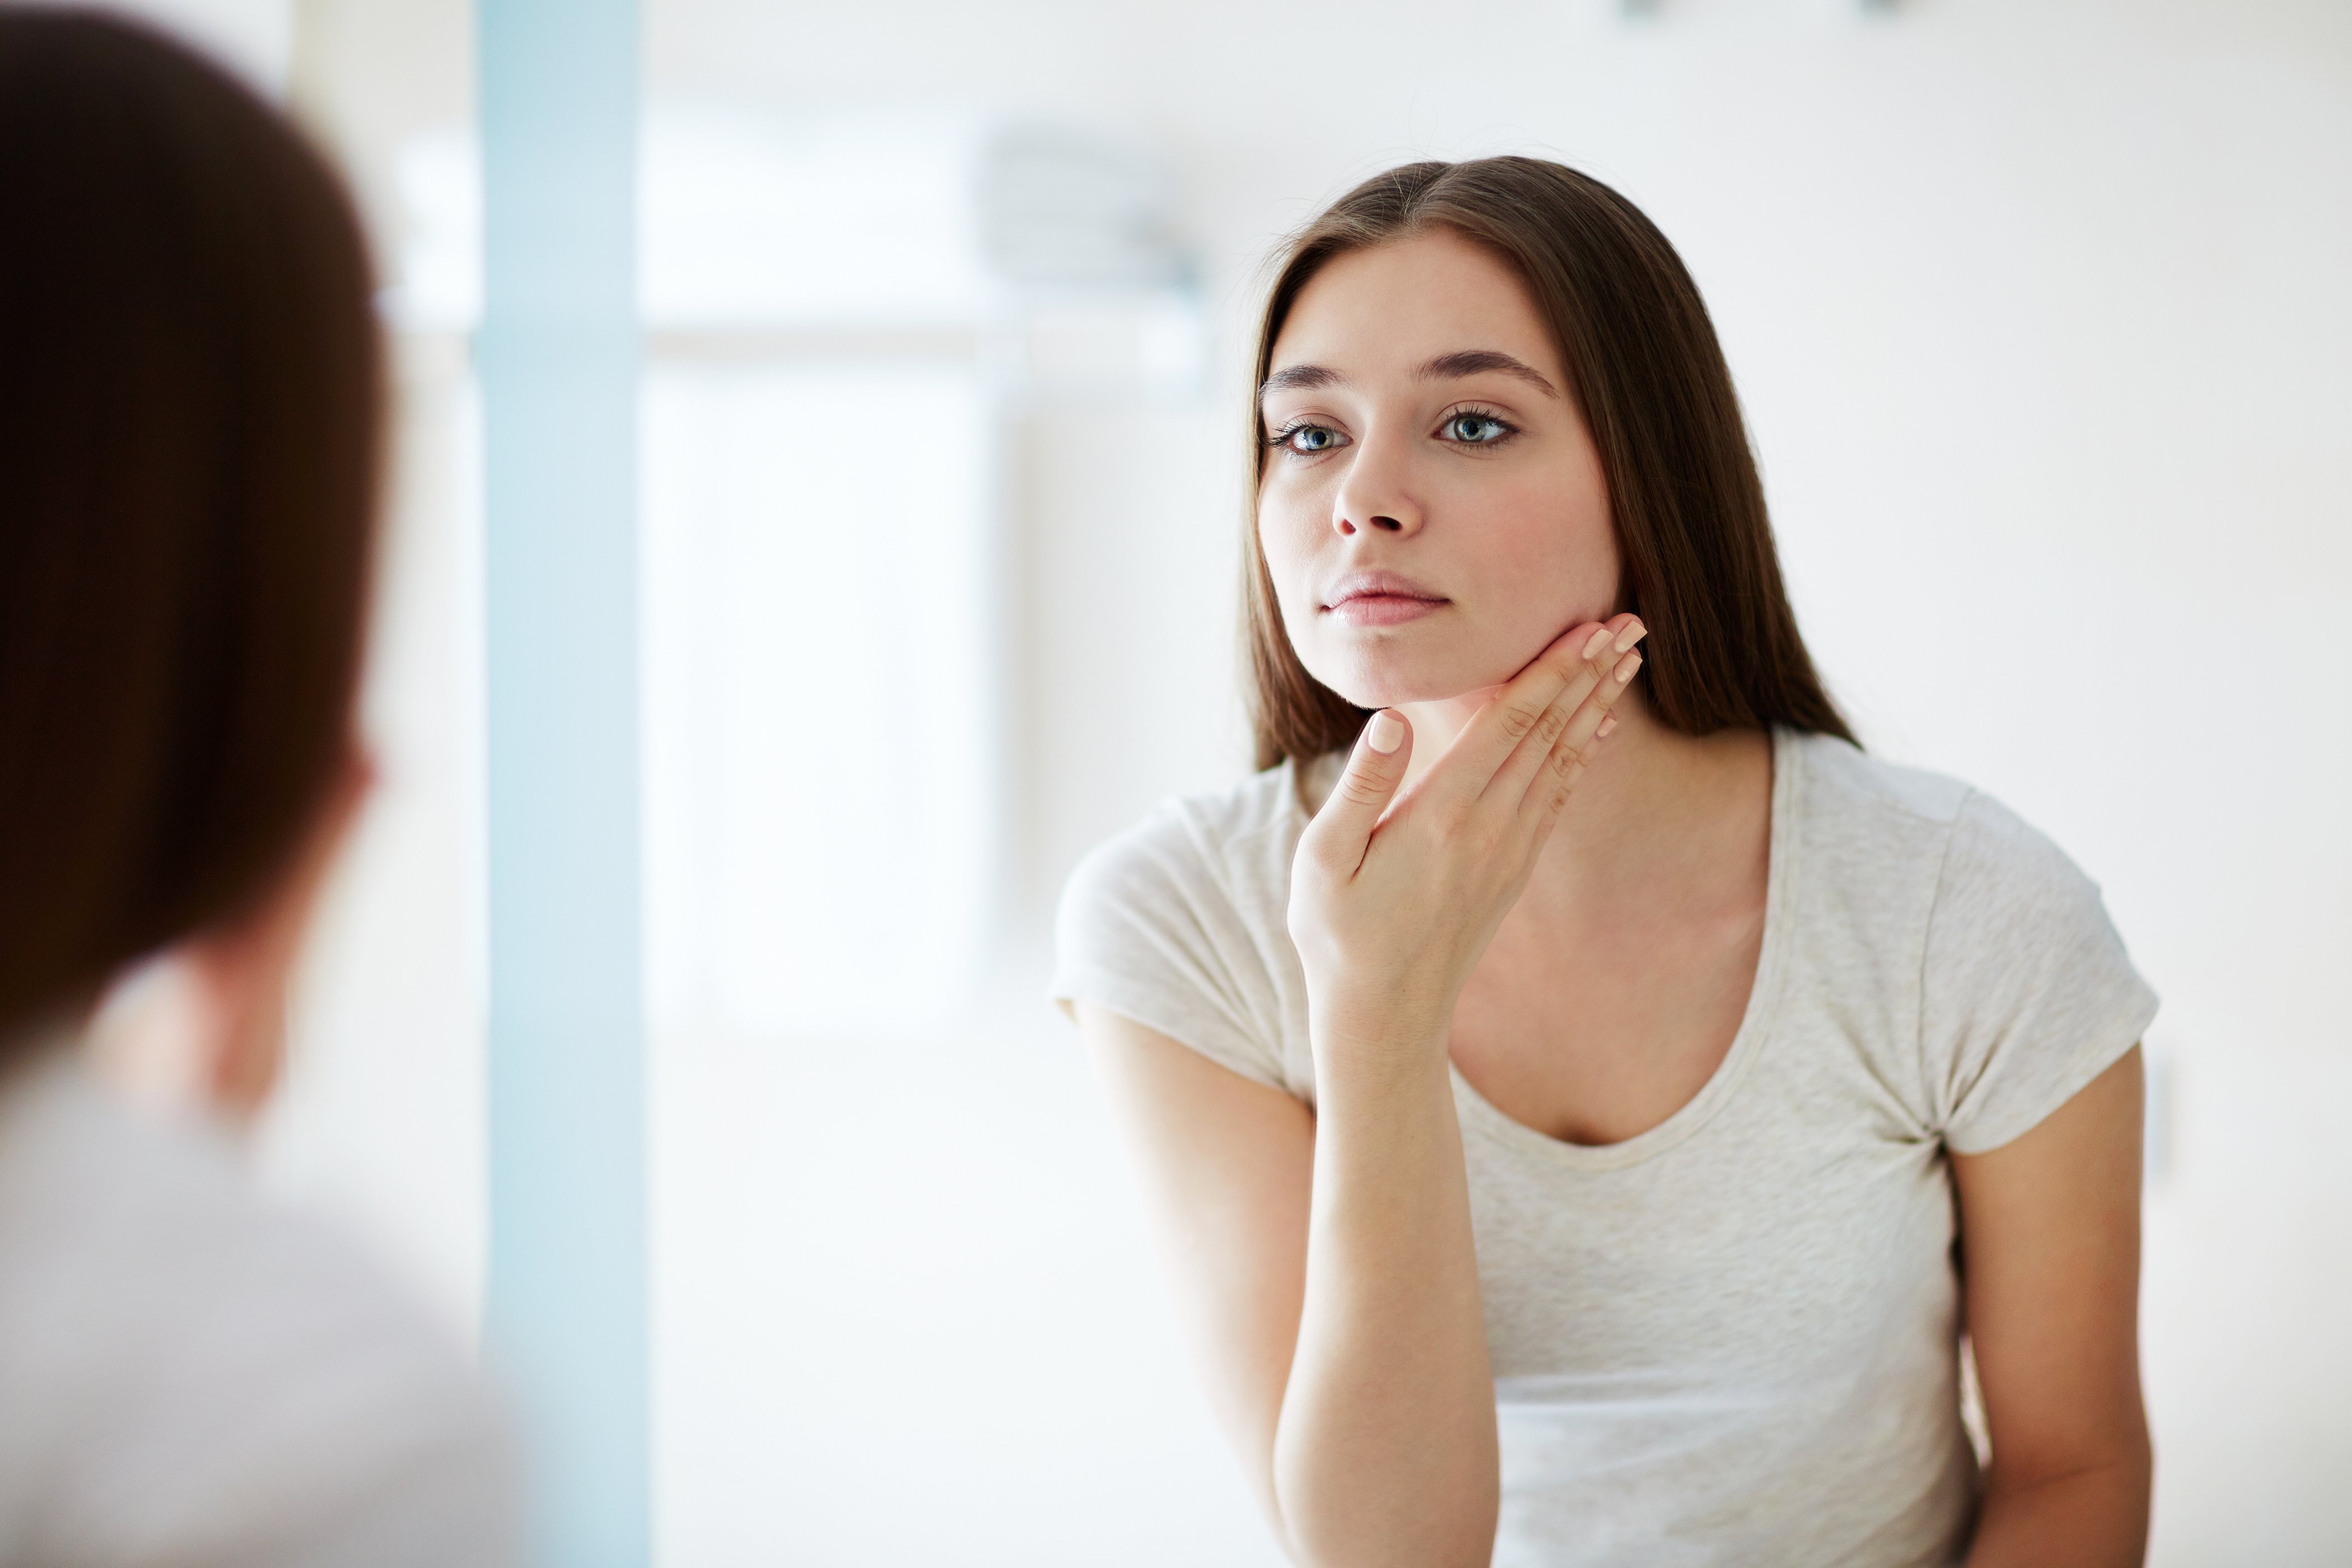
1657, 813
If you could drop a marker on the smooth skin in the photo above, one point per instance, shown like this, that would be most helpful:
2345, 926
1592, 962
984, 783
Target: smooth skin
1433, 515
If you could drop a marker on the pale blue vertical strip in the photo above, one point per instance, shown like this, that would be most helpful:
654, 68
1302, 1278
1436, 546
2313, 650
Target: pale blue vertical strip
558, 362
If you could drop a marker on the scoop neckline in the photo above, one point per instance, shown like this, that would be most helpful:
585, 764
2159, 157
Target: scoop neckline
1747, 1043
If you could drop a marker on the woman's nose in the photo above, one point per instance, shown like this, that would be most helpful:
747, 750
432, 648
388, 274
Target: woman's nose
1374, 496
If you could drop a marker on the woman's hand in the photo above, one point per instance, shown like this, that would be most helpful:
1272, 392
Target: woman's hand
1393, 905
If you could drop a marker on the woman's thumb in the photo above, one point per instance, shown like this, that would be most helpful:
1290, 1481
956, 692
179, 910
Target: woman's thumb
1366, 786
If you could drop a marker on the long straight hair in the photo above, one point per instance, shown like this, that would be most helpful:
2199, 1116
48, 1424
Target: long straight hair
191, 411
1644, 365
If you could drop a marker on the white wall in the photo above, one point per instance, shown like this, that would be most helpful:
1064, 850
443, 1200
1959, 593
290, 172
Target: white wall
2038, 314
255, 36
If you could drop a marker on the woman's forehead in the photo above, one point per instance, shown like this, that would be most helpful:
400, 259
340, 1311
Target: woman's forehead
1393, 310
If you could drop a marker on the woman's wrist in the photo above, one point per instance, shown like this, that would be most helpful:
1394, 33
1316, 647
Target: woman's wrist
1376, 1037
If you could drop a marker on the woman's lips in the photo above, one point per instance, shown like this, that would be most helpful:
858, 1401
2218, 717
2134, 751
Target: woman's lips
1382, 609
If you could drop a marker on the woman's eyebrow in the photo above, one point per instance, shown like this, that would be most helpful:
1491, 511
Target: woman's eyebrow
1300, 378
1477, 362
1444, 367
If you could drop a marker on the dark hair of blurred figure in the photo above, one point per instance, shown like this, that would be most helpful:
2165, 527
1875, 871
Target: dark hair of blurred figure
1646, 372
190, 413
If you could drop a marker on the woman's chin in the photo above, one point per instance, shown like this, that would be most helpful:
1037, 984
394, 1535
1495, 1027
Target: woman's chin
1389, 687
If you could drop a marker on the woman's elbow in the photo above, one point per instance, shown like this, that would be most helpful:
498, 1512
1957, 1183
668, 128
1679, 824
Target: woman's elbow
1452, 1528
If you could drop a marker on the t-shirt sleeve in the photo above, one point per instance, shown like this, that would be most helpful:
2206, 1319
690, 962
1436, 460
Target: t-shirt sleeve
1149, 929
2027, 993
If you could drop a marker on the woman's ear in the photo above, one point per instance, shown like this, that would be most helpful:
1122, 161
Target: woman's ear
241, 972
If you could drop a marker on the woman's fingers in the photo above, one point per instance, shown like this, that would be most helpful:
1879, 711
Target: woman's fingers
1341, 830
1572, 752
1573, 715
1513, 714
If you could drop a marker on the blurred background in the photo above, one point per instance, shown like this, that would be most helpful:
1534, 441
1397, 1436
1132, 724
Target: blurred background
2039, 310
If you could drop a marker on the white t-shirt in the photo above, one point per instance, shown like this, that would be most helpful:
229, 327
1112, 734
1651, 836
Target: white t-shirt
191, 1379
1732, 1340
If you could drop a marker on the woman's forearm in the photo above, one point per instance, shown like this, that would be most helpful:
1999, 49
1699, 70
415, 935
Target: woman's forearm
1385, 1451
1384, 1447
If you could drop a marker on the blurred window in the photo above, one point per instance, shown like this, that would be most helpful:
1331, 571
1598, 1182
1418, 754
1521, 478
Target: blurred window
843, 314
818, 758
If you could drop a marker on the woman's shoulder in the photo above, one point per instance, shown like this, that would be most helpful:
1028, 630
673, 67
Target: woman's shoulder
1840, 778
183, 1360
1941, 827
1238, 840
1979, 926
1182, 924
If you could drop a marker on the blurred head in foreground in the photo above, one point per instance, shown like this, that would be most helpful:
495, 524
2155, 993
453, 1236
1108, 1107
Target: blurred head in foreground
1489, 405
190, 426
190, 416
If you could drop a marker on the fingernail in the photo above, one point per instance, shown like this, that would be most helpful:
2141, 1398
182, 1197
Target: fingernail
1634, 631
1387, 732
1606, 725
1627, 666
1595, 643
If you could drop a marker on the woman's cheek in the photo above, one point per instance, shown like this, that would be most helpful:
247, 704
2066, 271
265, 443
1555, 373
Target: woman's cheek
1289, 561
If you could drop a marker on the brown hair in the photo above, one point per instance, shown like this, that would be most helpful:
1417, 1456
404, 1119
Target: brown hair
1646, 370
190, 413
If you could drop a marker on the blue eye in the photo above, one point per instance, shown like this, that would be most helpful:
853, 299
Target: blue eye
1475, 429
1310, 439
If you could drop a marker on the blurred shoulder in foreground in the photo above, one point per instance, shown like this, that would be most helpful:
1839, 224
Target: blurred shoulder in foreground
190, 1376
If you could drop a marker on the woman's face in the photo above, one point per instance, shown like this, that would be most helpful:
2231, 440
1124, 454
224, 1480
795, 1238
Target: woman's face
1431, 505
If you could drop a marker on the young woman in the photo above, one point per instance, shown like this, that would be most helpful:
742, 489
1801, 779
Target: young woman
1588, 1099
190, 417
